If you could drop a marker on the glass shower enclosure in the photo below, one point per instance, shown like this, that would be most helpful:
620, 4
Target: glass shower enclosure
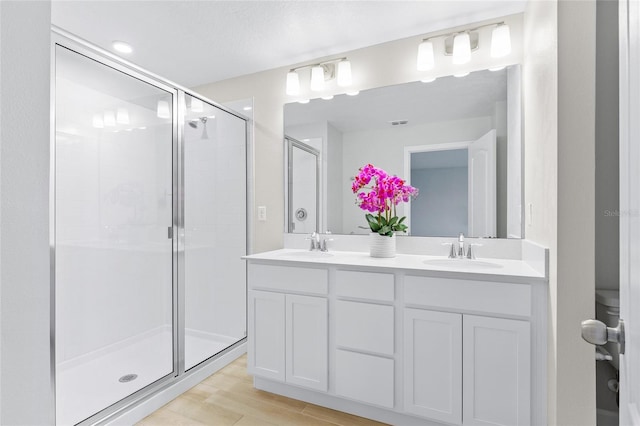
149, 224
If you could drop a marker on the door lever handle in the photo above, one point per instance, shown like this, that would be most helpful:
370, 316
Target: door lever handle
597, 333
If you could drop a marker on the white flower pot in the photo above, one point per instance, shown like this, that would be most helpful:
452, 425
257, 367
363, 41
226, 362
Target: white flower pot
381, 245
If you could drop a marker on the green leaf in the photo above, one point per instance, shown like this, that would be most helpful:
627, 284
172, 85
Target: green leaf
393, 221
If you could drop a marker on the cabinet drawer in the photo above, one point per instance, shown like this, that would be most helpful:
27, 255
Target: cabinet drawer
365, 285
365, 326
365, 378
477, 296
288, 278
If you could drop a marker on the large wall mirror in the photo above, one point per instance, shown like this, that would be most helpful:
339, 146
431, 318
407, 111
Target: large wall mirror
457, 139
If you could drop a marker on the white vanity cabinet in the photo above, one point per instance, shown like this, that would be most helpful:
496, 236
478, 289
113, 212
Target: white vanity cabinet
402, 345
288, 331
365, 337
464, 368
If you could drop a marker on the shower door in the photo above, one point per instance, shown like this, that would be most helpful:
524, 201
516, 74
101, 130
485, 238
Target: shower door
214, 149
114, 246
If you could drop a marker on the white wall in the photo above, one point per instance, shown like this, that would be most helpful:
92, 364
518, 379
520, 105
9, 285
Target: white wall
376, 66
558, 93
26, 394
576, 209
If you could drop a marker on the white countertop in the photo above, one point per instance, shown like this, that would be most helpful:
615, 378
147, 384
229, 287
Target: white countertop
486, 268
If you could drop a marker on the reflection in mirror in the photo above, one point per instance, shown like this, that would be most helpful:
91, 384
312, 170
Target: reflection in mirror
302, 186
457, 183
386, 126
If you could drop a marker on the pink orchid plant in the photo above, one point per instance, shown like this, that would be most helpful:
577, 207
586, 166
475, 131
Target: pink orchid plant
379, 193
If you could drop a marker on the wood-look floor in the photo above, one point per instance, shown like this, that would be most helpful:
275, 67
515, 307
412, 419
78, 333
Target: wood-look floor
229, 398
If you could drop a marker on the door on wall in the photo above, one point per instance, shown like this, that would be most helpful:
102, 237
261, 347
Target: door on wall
303, 194
630, 207
113, 156
482, 186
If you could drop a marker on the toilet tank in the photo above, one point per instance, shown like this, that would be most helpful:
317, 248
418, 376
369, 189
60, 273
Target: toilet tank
608, 311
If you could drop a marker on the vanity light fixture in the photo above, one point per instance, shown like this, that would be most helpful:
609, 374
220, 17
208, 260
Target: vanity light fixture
163, 110
461, 48
460, 44
109, 118
98, 122
122, 116
317, 78
500, 41
122, 47
426, 59
293, 83
196, 105
339, 69
344, 73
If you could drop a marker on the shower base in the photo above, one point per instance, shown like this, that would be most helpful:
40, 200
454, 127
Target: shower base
89, 384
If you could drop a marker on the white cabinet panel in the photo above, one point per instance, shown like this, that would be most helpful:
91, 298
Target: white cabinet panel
365, 378
365, 285
307, 341
433, 365
365, 327
478, 296
266, 354
289, 279
497, 378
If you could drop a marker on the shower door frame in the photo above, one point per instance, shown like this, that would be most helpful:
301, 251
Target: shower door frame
62, 38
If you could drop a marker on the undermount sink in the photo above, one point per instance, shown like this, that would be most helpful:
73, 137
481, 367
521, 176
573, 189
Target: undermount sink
462, 263
307, 254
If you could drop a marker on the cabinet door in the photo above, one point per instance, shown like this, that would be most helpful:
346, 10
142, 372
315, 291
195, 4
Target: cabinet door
307, 341
266, 352
497, 373
433, 365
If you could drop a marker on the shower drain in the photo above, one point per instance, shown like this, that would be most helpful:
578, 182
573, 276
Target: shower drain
127, 378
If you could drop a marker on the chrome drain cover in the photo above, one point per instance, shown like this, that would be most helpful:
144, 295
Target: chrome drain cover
127, 378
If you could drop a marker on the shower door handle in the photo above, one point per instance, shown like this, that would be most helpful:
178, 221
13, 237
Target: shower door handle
170, 232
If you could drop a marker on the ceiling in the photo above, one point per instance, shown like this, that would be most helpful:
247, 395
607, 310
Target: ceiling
193, 42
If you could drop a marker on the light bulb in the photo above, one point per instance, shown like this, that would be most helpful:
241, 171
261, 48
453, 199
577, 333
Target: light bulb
163, 109
109, 118
461, 49
317, 78
344, 73
293, 84
428, 80
426, 59
500, 41
98, 123
121, 46
196, 105
122, 116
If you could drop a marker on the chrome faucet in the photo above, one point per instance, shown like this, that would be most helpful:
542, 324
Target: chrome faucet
460, 251
315, 241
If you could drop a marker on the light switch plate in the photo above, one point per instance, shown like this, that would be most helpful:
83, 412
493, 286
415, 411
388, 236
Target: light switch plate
262, 213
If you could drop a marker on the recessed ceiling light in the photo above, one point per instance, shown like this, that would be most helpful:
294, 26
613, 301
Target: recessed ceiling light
428, 80
247, 108
327, 98
122, 47
303, 101
353, 93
